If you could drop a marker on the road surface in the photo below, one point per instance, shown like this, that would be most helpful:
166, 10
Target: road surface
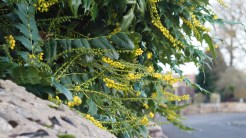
222, 125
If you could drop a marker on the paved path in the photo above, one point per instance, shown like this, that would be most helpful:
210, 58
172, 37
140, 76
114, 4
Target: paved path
228, 125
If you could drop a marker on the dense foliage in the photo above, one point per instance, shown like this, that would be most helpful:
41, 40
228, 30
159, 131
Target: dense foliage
102, 57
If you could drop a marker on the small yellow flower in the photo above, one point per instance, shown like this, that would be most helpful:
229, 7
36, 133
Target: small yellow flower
138, 52
32, 56
41, 56
150, 69
43, 5
70, 104
154, 95
77, 88
94, 121
151, 115
57, 98
132, 76
146, 106
149, 55
215, 17
144, 120
157, 75
11, 41
138, 93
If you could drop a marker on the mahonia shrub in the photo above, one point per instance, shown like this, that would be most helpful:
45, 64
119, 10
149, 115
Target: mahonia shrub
102, 57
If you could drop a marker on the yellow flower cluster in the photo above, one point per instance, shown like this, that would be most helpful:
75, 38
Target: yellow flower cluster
112, 84
43, 5
144, 121
215, 17
222, 3
146, 106
149, 55
171, 115
198, 24
56, 100
132, 76
172, 97
192, 27
151, 115
138, 52
157, 23
94, 121
170, 79
11, 41
115, 64
185, 97
76, 101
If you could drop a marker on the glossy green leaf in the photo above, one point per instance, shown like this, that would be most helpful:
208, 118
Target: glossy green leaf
74, 6
127, 20
59, 87
92, 107
210, 43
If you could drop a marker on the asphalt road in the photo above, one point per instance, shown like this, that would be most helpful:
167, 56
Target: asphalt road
226, 125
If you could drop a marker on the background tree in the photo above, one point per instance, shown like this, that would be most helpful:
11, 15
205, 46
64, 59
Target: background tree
231, 81
211, 72
233, 32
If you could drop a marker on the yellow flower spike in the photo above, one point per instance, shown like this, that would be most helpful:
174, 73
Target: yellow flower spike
115, 64
111, 84
144, 121
151, 115
158, 24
